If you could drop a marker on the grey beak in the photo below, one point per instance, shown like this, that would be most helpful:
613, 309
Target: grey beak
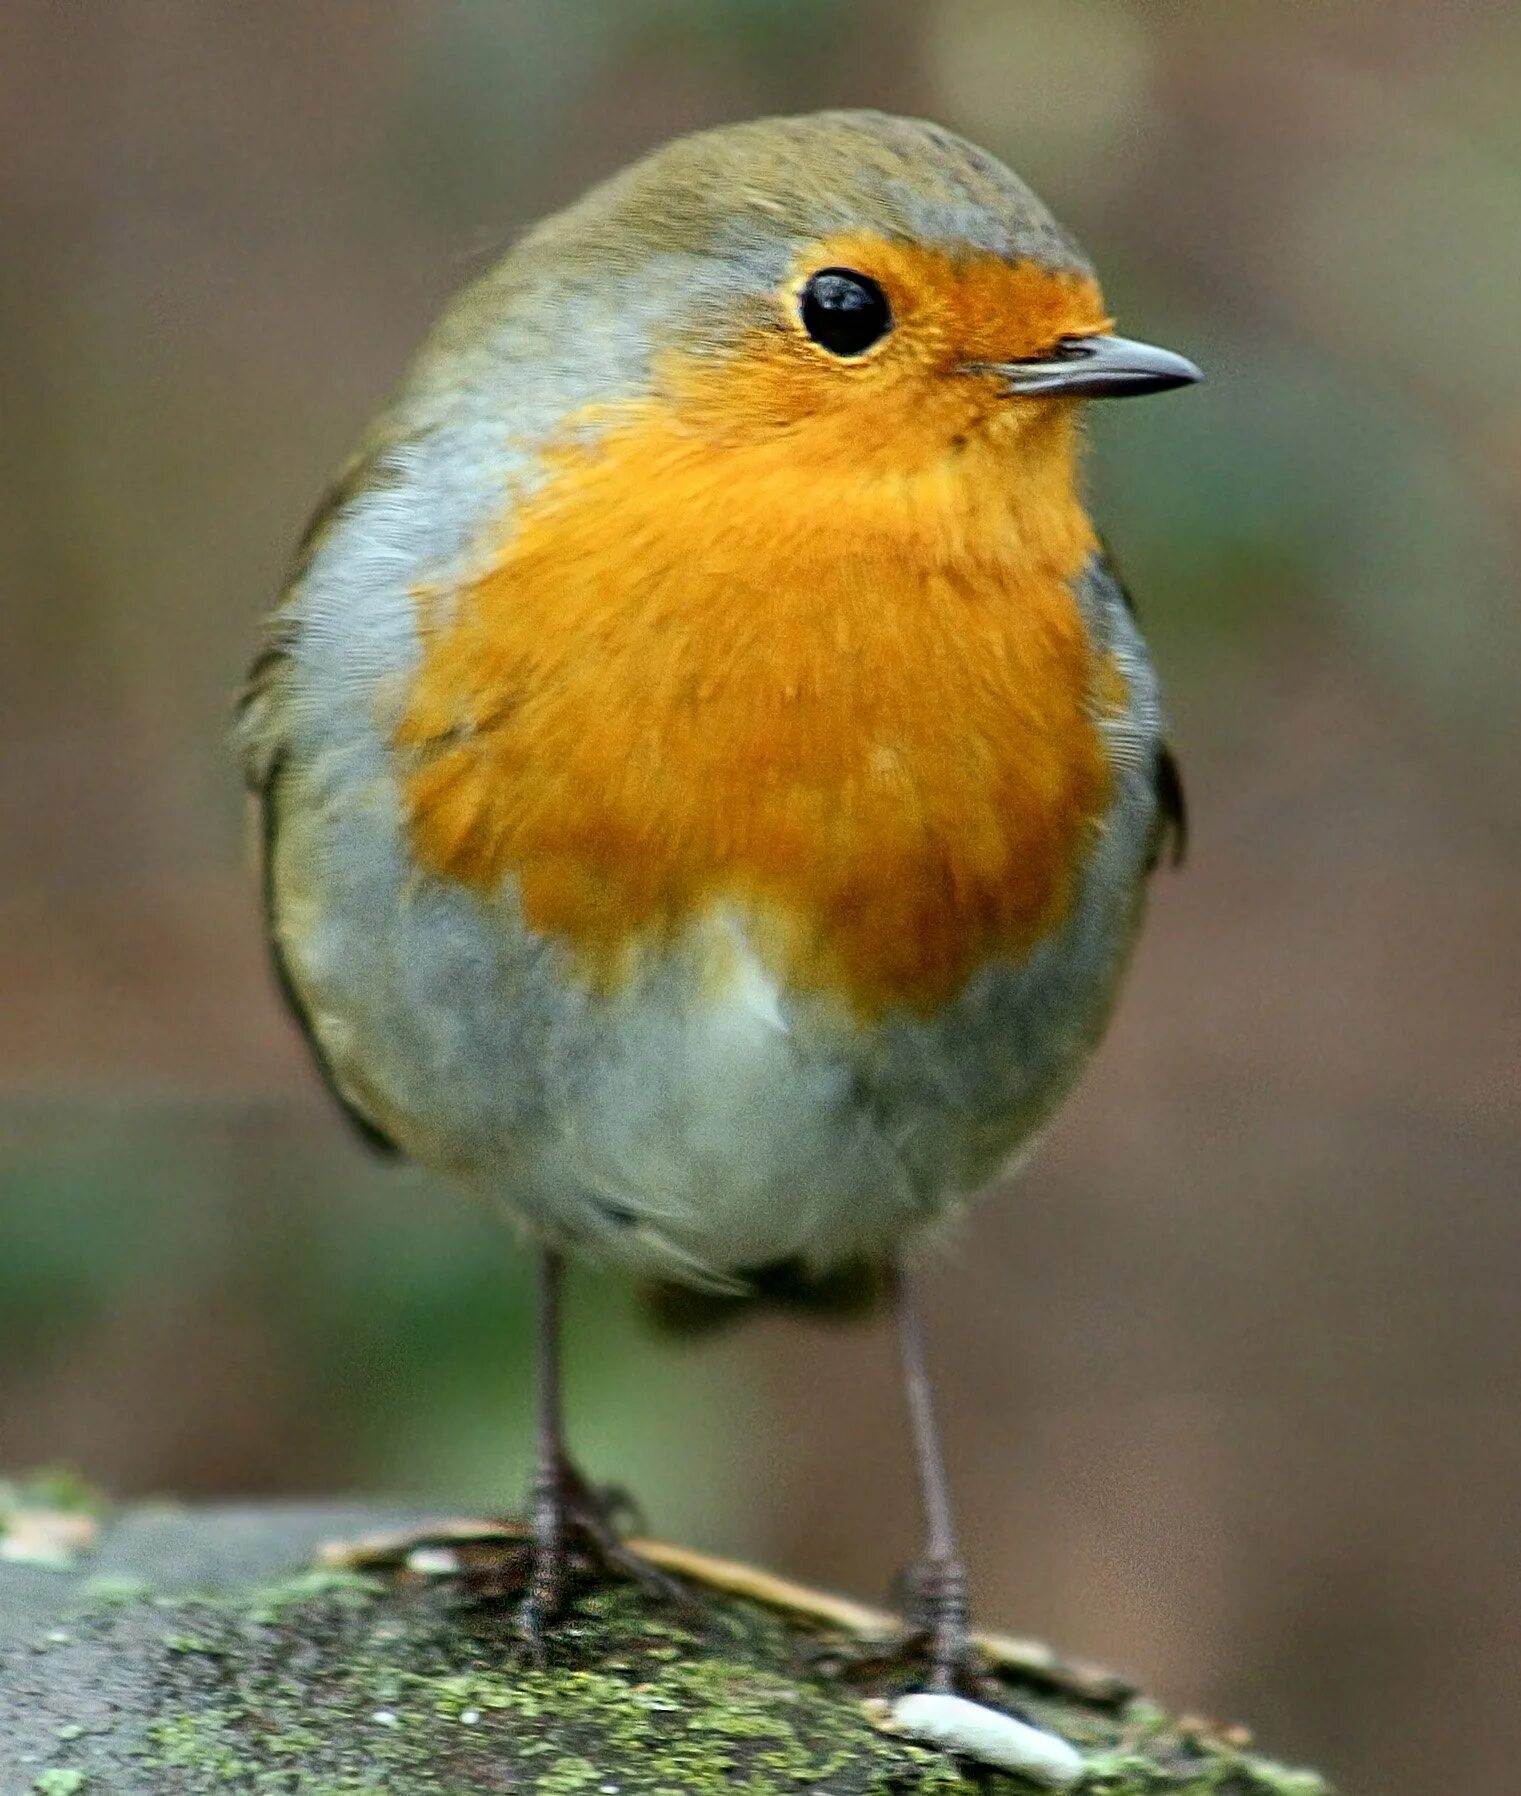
1097, 368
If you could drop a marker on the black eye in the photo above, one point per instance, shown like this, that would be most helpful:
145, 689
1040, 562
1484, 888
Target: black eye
845, 312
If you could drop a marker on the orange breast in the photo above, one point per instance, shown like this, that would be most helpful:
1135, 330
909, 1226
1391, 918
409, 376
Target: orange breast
855, 703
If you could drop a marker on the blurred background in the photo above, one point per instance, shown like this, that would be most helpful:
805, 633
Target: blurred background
1232, 1379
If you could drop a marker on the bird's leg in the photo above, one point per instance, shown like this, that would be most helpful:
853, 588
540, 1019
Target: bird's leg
936, 1594
565, 1505
934, 1587
546, 1578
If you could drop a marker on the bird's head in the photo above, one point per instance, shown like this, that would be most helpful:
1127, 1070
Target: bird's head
848, 295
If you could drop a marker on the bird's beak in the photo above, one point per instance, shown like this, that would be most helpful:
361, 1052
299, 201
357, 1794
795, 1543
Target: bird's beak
1096, 368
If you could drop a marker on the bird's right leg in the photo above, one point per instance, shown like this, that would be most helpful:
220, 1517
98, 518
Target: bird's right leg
937, 1590
934, 1587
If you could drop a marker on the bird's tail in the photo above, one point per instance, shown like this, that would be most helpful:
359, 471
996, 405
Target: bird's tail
844, 1293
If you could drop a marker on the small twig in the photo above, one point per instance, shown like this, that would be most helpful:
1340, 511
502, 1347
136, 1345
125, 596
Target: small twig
1026, 1658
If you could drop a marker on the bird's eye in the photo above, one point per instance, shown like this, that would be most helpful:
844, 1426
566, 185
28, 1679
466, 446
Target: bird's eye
844, 312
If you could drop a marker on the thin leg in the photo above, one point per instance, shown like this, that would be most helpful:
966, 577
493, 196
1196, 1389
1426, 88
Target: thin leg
939, 1579
546, 1583
564, 1505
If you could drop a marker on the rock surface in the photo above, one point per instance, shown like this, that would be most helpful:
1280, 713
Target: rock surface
195, 1650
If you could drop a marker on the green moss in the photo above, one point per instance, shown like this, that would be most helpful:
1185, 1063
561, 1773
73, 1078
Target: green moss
207, 1741
565, 1776
1219, 1773
105, 1591
329, 1684
59, 1783
54, 1488
48, 1518
270, 1602
422, 1693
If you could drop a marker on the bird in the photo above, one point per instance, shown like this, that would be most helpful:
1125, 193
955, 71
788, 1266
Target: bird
710, 771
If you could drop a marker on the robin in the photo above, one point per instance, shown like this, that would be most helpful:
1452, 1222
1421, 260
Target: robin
709, 768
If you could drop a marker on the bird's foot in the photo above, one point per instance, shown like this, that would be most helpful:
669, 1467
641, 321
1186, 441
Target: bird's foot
575, 1533
572, 1535
936, 1637
935, 1605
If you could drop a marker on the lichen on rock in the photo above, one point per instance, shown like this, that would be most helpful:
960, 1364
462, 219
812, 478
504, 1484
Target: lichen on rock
337, 1684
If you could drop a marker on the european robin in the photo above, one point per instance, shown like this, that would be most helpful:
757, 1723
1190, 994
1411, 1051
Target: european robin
709, 769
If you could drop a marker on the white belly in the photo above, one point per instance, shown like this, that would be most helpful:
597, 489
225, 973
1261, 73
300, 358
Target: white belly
695, 1123
716, 1133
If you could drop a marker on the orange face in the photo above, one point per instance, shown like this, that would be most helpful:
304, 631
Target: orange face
792, 633
902, 402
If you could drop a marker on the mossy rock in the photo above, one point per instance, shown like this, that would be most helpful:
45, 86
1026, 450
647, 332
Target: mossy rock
190, 1651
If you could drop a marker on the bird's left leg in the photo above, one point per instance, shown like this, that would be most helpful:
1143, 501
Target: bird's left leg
571, 1526
565, 1506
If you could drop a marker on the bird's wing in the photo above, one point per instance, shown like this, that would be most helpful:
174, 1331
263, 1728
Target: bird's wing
1172, 809
261, 737
1171, 839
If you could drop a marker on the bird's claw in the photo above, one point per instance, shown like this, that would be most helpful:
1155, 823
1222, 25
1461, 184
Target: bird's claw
934, 1600
936, 1635
574, 1532
960, 1672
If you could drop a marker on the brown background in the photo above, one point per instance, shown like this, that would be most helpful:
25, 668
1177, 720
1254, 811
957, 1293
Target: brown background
1232, 1380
